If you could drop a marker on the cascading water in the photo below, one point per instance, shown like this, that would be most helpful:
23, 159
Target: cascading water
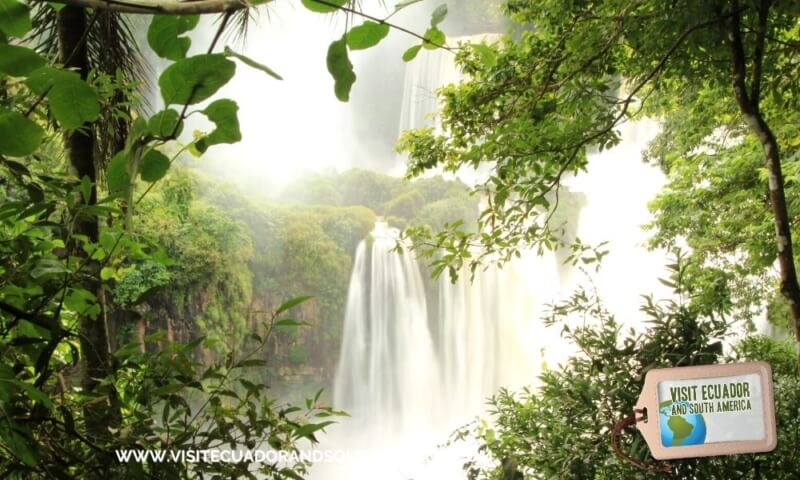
386, 375
409, 377
487, 334
417, 363
400, 370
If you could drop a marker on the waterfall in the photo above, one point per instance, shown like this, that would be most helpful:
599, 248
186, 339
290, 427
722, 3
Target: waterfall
402, 371
418, 362
386, 378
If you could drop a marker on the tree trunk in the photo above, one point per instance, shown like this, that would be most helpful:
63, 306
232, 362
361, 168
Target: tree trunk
80, 146
748, 102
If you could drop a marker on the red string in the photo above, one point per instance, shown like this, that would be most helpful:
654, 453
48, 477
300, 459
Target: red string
621, 425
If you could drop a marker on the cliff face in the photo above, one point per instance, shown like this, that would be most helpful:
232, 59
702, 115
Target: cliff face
228, 261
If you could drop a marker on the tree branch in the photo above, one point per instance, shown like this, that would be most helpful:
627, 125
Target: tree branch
739, 65
169, 7
383, 21
193, 7
758, 53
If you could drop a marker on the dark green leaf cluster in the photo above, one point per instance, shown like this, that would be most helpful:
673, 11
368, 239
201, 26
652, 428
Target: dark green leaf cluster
563, 82
85, 262
716, 200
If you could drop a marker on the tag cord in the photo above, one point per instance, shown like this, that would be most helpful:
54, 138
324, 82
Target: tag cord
619, 427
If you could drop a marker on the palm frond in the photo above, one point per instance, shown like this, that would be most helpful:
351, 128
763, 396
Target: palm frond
113, 51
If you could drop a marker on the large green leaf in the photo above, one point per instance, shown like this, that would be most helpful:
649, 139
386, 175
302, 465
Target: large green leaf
153, 166
194, 79
223, 114
164, 35
19, 61
341, 69
411, 53
15, 18
163, 123
19, 135
117, 175
434, 38
72, 101
327, 6
366, 35
42, 79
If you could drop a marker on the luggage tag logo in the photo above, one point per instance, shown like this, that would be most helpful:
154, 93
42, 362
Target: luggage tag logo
708, 410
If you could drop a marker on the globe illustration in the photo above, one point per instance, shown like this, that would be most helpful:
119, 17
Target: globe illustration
680, 430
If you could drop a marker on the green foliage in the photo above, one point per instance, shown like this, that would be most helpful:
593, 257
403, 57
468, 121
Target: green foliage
117, 174
164, 35
82, 257
137, 282
411, 53
72, 101
308, 247
19, 136
433, 37
223, 114
715, 200
164, 123
436, 214
194, 79
15, 20
19, 61
347, 226
60, 284
561, 428
161, 385
169, 401
327, 6
341, 69
423, 202
405, 205
154, 166
567, 77
209, 254
366, 35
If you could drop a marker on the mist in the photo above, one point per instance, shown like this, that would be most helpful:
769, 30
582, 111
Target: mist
297, 126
